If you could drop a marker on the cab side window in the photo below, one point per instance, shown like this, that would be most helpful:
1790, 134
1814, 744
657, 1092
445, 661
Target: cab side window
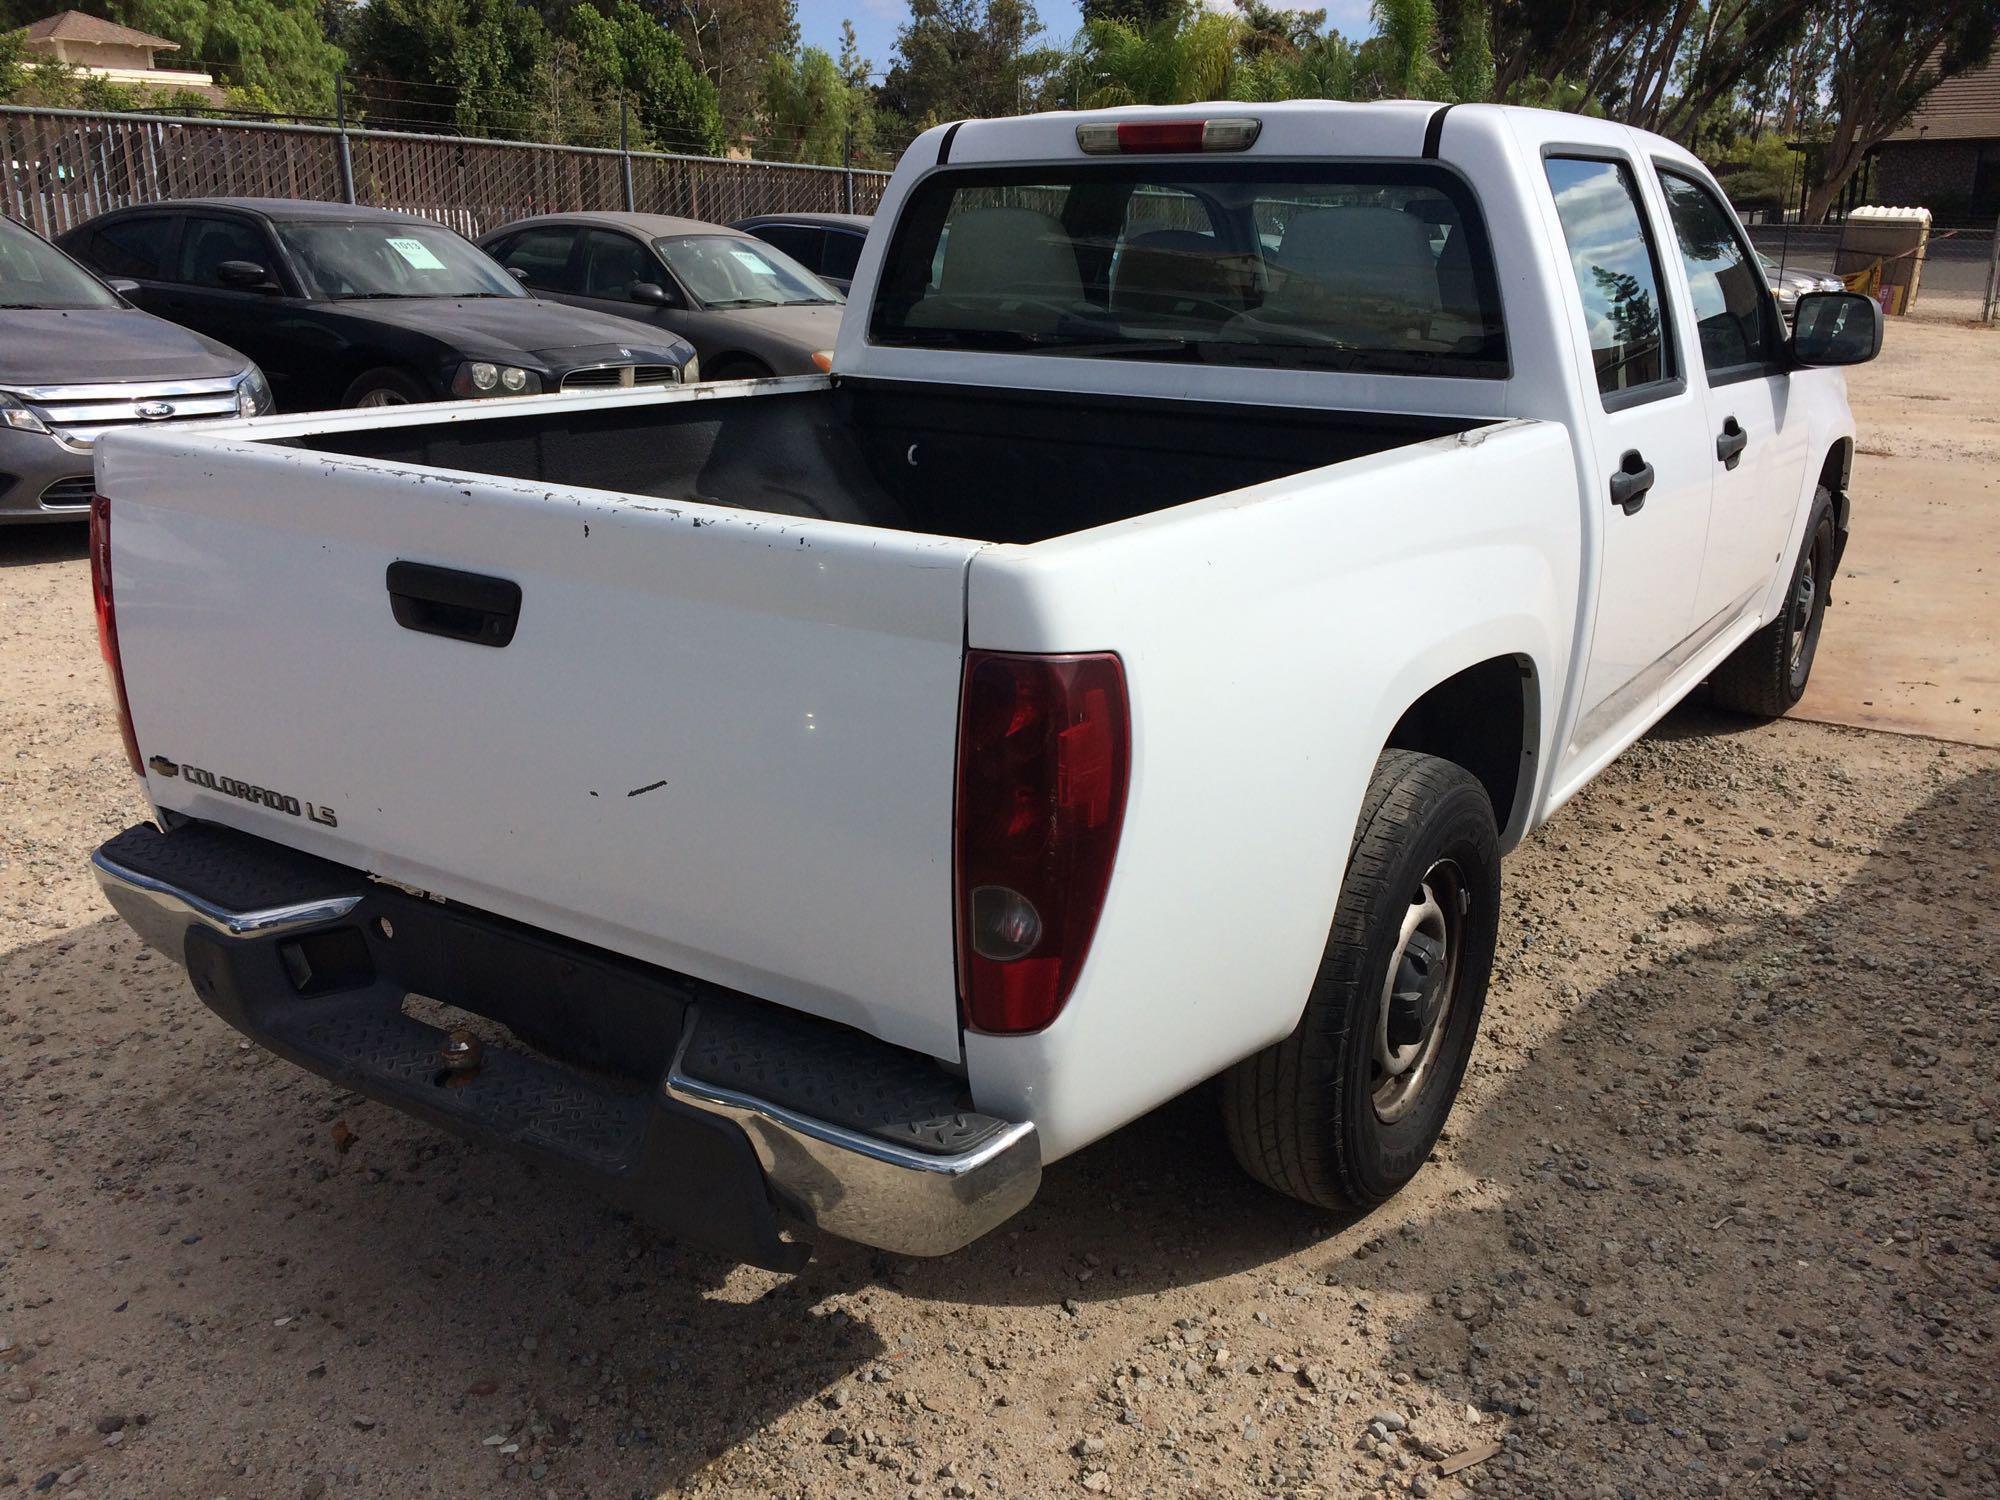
1617, 274
1732, 309
132, 247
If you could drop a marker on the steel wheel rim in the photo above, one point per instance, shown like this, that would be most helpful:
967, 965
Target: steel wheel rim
383, 396
1423, 974
1805, 610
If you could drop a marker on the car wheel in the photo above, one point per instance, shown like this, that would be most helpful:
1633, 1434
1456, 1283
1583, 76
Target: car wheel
1346, 1109
384, 388
1767, 674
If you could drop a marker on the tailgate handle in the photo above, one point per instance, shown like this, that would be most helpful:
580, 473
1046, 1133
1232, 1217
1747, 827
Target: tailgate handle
462, 606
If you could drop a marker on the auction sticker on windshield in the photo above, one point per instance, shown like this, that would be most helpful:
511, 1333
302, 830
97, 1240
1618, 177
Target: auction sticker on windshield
417, 254
754, 263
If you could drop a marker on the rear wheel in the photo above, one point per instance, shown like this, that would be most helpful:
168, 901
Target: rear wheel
1345, 1110
384, 388
1768, 673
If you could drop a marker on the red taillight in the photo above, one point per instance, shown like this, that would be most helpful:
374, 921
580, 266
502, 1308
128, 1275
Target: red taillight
1044, 751
107, 622
1157, 137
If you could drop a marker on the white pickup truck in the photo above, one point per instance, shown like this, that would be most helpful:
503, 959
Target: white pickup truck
817, 804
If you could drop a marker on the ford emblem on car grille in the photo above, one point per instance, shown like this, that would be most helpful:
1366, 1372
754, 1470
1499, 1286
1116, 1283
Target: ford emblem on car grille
154, 411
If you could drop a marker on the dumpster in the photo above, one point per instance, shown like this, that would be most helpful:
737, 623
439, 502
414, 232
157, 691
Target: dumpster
1882, 253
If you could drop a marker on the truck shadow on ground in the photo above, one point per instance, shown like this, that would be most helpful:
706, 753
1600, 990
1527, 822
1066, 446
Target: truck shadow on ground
435, 1294
43, 542
1702, 1228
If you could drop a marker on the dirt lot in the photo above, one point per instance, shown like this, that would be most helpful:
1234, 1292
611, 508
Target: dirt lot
1913, 642
1717, 1214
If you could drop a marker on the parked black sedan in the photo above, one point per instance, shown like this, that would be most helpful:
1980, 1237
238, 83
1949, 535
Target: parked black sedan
828, 245
348, 306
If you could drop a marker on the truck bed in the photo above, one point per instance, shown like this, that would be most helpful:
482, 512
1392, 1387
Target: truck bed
679, 676
977, 464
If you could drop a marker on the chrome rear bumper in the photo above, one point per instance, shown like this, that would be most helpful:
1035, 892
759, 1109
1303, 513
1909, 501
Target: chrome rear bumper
842, 1134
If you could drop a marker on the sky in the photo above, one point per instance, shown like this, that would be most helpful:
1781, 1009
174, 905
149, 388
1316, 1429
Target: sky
876, 22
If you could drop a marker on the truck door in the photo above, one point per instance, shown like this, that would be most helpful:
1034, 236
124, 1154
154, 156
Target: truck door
1760, 441
1647, 432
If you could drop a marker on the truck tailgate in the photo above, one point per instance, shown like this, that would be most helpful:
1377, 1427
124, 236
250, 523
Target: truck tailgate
719, 741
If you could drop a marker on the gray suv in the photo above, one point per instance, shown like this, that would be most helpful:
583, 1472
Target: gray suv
77, 360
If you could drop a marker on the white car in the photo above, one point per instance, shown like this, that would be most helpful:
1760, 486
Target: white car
1225, 531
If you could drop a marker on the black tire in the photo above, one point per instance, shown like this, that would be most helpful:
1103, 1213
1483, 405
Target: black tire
1768, 673
387, 387
1304, 1115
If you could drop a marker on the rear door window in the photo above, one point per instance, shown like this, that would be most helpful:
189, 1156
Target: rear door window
1617, 275
802, 242
841, 253
135, 247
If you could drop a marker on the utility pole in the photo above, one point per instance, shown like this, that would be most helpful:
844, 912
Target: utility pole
340, 128
847, 172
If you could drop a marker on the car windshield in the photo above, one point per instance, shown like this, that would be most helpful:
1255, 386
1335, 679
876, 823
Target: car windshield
738, 271
1358, 267
367, 259
33, 273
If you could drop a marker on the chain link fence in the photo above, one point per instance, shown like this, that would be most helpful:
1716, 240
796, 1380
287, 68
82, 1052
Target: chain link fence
59, 167
1953, 280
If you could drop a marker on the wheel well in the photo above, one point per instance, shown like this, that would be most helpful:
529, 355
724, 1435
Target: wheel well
1839, 460
1486, 719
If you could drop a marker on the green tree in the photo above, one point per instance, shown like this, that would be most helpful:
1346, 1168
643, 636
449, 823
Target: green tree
11, 70
1403, 56
274, 49
962, 58
1139, 15
730, 42
627, 52
855, 70
1182, 60
812, 111
1887, 56
471, 64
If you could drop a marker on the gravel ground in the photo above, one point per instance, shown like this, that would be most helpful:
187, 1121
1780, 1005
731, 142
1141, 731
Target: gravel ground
1716, 1215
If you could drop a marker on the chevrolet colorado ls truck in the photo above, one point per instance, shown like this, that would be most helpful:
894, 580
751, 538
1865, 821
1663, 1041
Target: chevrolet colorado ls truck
815, 805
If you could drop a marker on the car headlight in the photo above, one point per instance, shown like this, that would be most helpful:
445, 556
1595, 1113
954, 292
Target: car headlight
253, 393
691, 371
14, 414
485, 377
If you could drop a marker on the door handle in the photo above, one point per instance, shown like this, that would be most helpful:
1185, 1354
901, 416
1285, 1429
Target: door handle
1630, 484
460, 606
1730, 442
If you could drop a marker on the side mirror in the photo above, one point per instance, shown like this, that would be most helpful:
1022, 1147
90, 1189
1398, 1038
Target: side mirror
1836, 328
649, 292
518, 274
124, 286
246, 274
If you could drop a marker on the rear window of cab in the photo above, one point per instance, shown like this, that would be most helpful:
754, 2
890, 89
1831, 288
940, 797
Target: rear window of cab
1369, 267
